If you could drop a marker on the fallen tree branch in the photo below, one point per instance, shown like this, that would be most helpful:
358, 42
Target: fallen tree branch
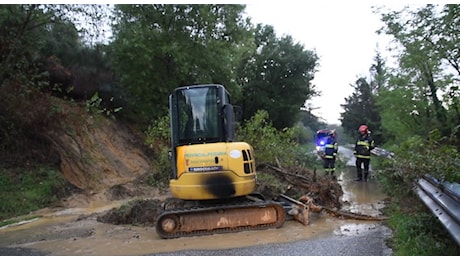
336, 213
352, 215
280, 170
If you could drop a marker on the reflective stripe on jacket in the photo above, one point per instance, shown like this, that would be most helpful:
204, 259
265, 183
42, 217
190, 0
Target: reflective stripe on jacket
331, 148
363, 146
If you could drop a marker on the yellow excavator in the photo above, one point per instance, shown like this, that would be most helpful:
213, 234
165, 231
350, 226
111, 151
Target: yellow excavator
213, 181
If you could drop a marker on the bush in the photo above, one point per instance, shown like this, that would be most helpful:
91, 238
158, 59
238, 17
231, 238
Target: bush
416, 230
270, 145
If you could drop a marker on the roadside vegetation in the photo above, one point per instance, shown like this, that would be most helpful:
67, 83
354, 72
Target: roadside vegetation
417, 231
24, 190
412, 107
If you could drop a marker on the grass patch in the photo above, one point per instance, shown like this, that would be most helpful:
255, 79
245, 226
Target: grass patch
416, 231
419, 233
17, 220
25, 190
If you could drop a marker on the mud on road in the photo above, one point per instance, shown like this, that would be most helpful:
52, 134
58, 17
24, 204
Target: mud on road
76, 230
68, 234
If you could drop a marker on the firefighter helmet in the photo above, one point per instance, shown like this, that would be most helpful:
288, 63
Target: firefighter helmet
363, 129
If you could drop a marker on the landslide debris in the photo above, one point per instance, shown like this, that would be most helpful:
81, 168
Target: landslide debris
295, 181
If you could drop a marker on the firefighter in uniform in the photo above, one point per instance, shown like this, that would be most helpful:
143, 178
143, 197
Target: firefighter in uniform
363, 146
330, 153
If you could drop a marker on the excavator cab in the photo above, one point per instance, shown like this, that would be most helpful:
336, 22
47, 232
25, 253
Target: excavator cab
207, 163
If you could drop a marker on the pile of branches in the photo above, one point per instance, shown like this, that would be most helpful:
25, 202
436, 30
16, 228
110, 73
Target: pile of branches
298, 181
315, 192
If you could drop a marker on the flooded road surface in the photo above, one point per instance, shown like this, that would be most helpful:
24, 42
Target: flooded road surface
361, 197
76, 231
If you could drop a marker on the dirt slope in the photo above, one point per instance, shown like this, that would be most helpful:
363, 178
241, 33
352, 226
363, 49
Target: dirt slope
97, 153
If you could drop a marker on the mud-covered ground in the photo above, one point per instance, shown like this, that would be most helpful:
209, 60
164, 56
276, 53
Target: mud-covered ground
119, 223
294, 182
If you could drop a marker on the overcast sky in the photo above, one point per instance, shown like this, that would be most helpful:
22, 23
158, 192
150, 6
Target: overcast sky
342, 34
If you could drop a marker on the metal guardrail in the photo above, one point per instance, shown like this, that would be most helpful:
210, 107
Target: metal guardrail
443, 200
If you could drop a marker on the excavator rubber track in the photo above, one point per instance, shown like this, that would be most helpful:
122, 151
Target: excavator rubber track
221, 218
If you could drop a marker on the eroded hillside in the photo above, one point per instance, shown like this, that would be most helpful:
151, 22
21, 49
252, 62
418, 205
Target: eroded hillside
97, 153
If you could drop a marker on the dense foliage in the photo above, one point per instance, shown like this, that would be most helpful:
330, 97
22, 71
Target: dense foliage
157, 48
416, 103
277, 78
153, 49
269, 144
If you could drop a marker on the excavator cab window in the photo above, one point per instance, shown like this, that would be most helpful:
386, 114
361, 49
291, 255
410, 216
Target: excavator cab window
198, 119
201, 114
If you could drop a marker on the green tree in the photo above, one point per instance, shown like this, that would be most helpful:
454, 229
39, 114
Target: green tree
277, 78
379, 80
29, 33
270, 145
310, 120
364, 106
21, 30
419, 110
157, 48
361, 109
426, 38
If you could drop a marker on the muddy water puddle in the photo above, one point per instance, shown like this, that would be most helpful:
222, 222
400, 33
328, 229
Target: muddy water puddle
361, 197
67, 233
89, 237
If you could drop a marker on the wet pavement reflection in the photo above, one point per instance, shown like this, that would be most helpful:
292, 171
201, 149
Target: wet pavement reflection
361, 197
